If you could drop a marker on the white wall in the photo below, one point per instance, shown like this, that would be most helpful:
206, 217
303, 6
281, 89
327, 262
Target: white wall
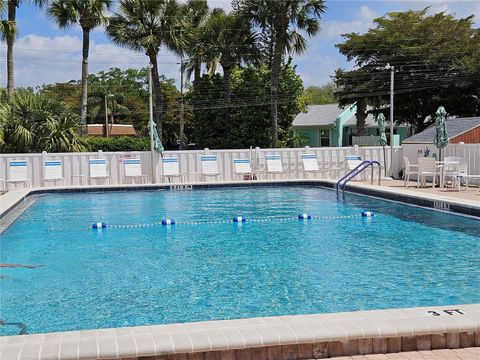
77, 163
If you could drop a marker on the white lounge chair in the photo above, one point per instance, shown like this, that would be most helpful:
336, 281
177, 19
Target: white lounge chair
408, 169
133, 170
18, 173
353, 161
427, 167
274, 165
98, 170
243, 168
310, 164
52, 171
209, 166
171, 169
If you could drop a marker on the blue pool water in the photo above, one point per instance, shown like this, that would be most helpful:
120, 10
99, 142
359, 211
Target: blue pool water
405, 257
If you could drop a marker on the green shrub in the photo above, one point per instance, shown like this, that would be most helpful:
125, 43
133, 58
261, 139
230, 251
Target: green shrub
122, 143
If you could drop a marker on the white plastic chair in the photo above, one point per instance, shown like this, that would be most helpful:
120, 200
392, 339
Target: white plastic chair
353, 161
274, 165
171, 169
98, 170
450, 169
310, 164
427, 167
243, 167
52, 171
133, 170
209, 166
17, 173
408, 169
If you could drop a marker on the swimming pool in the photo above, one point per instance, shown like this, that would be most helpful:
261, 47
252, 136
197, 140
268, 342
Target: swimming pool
404, 257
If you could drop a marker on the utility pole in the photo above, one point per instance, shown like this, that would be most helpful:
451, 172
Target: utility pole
392, 93
106, 117
150, 125
182, 109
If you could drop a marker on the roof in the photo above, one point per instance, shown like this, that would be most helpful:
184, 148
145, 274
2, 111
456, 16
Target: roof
369, 121
113, 130
324, 115
318, 115
455, 127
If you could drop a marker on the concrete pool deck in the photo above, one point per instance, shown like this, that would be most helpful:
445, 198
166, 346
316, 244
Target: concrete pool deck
276, 338
413, 334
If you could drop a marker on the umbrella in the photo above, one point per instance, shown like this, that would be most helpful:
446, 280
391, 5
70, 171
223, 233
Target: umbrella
383, 136
157, 143
440, 139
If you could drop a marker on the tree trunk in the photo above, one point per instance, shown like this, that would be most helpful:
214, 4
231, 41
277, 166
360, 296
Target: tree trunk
196, 74
361, 115
10, 39
276, 63
227, 71
157, 95
85, 49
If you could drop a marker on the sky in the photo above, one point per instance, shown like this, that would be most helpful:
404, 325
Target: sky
46, 54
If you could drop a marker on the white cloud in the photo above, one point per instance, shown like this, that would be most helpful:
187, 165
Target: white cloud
362, 22
41, 59
460, 8
317, 69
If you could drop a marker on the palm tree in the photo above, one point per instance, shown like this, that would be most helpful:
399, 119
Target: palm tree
283, 19
89, 14
8, 29
35, 122
196, 13
228, 41
146, 25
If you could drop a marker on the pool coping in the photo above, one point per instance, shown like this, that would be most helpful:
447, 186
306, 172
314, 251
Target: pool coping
287, 337
442, 202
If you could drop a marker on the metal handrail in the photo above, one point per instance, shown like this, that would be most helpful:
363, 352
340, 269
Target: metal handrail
350, 172
357, 170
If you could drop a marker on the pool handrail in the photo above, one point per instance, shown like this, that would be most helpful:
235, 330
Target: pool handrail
355, 171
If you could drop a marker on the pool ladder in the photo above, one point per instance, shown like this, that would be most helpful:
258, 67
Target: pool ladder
342, 183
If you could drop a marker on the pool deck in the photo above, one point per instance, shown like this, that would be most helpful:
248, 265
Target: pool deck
276, 338
430, 333
467, 196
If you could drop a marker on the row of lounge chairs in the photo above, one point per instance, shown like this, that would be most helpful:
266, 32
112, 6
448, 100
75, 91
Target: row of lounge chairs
98, 170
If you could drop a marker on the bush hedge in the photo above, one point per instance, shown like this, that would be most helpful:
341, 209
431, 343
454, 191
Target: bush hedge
121, 143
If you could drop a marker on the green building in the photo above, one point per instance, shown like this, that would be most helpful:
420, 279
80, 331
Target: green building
329, 125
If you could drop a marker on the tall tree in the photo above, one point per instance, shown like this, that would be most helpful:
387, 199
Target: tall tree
284, 20
145, 25
436, 59
8, 29
228, 41
89, 14
361, 116
196, 14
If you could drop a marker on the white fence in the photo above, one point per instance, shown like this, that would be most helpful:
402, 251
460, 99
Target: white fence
470, 153
76, 168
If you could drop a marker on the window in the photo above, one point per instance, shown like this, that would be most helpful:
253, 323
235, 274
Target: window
324, 137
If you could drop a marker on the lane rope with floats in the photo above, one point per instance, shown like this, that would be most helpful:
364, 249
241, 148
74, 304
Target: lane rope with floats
236, 220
